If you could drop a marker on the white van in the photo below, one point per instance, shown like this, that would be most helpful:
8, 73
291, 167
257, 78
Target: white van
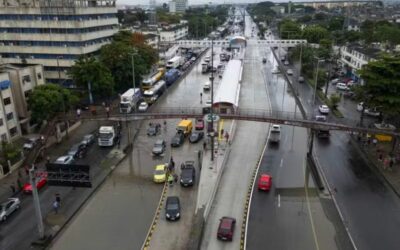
207, 85
341, 86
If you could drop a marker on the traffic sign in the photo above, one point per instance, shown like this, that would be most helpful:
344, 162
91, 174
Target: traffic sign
214, 117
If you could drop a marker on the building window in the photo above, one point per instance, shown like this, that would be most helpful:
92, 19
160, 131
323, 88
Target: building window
1, 122
39, 76
4, 137
7, 101
10, 116
28, 94
13, 131
26, 78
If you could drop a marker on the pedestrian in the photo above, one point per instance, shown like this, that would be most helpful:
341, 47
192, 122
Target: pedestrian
170, 179
374, 142
58, 199
175, 178
222, 132
12, 187
78, 113
19, 183
55, 207
204, 146
119, 142
380, 157
48, 159
391, 162
226, 136
27, 170
201, 97
108, 111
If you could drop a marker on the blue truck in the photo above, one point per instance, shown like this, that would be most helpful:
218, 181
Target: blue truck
171, 76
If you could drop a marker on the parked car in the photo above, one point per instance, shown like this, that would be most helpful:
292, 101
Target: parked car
207, 86
88, 139
178, 139
286, 63
320, 118
172, 208
41, 181
159, 175
301, 79
78, 151
196, 136
334, 81
275, 70
226, 228
153, 129
207, 59
143, 106
31, 143
264, 182
323, 109
188, 173
289, 72
9, 207
66, 159
341, 86
159, 147
199, 125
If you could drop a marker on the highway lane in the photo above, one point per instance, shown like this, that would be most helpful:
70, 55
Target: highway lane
129, 197
245, 150
361, 194
21, 228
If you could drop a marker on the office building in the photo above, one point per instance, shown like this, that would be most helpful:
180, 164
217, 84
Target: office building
9, 124
54, 33
178, 6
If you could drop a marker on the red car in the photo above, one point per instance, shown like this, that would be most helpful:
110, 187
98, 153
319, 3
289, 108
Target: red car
41, 180
199, 124
264, 182
226, 228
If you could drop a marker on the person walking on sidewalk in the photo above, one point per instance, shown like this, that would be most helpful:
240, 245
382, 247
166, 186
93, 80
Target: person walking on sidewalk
58, 199
12, 187
56, 206
108, 111
78, 113
170, 179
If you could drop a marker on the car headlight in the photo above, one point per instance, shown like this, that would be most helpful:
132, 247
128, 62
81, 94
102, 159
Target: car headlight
181, 180
178, 214
167, 215
190, 181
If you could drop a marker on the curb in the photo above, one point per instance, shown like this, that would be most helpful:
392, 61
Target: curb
153, 224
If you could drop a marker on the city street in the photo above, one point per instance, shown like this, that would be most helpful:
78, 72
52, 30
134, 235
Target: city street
132, 181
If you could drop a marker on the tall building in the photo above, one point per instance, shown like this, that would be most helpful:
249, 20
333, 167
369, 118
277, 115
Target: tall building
54, 33
178, 6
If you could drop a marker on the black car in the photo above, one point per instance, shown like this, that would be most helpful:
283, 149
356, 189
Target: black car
188, 174
178, 139
159, 147
196, 136
153, 129
78, 151
172, 208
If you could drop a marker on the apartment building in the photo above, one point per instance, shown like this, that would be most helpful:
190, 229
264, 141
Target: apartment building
54, 33
178, 6
173, 33
9, 124
23, 80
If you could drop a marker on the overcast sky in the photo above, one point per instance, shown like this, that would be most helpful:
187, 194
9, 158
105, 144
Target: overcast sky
146, 2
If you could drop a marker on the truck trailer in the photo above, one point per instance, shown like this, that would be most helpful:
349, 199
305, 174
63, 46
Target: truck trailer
129, 100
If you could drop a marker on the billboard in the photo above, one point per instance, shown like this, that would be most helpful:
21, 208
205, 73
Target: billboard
68, 175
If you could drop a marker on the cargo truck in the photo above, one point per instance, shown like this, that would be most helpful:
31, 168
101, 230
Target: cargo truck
129, 100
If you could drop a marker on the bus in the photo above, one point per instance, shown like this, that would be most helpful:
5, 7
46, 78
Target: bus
152, 79
151, 95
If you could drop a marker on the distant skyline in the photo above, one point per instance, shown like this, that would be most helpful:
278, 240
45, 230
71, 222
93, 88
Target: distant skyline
191, 2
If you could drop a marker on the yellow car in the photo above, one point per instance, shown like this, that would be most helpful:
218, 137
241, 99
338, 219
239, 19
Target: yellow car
159, 174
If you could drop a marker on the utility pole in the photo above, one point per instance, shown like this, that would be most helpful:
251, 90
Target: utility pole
36, 202
327, 79
212, 99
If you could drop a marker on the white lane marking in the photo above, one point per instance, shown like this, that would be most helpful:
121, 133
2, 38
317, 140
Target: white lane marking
279, 200
281, 164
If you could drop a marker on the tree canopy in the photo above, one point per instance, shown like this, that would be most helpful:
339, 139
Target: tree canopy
48, 100
382, 85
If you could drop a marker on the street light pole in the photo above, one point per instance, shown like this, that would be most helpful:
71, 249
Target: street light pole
133, 71
212, 99
316, 79
36, 203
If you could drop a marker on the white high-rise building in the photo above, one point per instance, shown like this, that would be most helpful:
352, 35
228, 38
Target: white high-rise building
178, 6
54, 33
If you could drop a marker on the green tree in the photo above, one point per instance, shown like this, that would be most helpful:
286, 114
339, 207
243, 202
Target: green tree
334, 99
89, 70
10, 152
289, 29
305, 19
315, 33
48, 100
336, 23
382, 85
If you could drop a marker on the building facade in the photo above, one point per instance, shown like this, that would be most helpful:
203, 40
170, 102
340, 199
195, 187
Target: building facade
54, 33
23, 80
9, 124
178, 6
174, 32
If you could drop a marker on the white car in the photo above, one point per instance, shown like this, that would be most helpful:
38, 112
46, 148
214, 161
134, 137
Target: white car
275, 71
207, 59
66, 159
334, 81
323, 109
30, 143
342, 86
207, 85
143, 106
289, 72
8, 207
286, 63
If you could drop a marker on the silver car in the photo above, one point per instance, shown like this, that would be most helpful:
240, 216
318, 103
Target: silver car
8, 207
